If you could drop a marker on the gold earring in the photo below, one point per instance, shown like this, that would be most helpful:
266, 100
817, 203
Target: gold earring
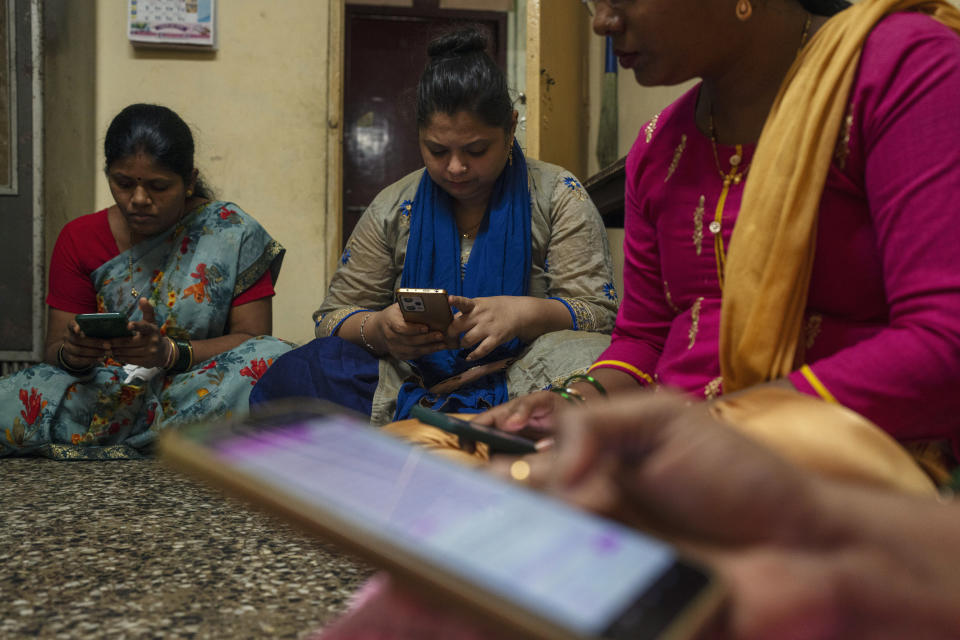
744, 10
510, 156
189, 192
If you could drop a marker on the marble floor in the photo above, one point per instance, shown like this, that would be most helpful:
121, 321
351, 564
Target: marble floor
130, 549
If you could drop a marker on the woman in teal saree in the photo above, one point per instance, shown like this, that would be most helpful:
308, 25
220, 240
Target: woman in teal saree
194, 277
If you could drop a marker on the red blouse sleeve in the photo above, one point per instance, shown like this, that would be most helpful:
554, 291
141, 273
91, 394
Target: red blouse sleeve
262, 288
70, 287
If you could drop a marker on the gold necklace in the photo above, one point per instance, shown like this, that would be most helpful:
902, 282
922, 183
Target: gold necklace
134, 292
734, 176
472, 230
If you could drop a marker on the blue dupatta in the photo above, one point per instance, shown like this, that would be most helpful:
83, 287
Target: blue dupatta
499, 265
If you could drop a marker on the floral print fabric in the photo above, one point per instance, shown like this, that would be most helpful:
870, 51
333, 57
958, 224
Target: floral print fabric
191, 275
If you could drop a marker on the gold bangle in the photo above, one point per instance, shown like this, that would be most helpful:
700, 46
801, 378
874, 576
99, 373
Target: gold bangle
172, 358
363, 338
74, 371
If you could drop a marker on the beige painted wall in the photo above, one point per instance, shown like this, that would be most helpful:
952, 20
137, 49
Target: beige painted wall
258, 108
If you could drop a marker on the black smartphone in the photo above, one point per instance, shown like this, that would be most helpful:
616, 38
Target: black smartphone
499, 441
523, 560
104, 325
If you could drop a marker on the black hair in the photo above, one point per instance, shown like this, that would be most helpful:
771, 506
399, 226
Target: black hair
460, 76
824, 7
157, 131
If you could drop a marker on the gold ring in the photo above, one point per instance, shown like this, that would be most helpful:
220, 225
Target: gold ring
520, 470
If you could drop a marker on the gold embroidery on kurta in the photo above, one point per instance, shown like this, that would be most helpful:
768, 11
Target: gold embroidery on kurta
331, 321
651, 127
557, 382
586, 318
812, 329
694, 322
843, 143
712, 389
676, 157
246, 279
698, 225
666, 294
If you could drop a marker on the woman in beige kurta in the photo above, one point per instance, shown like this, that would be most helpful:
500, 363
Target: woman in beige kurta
517, 243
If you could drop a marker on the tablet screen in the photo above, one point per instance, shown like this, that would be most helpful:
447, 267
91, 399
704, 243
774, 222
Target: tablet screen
568, 566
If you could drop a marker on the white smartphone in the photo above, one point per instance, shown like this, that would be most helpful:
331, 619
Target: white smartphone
523, 559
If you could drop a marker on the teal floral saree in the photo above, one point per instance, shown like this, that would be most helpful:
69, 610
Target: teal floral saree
190, 274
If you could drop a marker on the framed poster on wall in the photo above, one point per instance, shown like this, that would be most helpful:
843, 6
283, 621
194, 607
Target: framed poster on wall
182, 24
8, 100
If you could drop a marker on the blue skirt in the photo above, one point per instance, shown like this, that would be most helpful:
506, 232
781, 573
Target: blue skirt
328, 368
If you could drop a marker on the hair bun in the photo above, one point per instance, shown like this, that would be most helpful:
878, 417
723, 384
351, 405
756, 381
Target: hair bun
458, 43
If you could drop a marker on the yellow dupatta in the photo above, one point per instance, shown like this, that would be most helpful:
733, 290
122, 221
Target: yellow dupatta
773, 244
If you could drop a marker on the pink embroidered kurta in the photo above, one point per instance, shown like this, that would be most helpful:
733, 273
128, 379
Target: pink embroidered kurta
882, 330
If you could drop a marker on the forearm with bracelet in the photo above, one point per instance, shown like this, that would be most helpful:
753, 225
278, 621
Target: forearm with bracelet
181, 356
572, 395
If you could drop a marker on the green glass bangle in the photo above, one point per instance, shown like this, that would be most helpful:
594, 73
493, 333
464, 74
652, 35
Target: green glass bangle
569, 395
184, 358
586, 377
576, 395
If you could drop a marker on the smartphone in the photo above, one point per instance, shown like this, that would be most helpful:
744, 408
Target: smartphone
454, 382
425, 306
497, 440
520, 559
104, 325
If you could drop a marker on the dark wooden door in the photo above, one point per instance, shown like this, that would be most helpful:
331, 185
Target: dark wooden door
385, 52
21, 248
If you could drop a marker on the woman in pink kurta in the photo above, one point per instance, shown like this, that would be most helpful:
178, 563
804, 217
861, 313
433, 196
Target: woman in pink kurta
882, 330
882, 327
